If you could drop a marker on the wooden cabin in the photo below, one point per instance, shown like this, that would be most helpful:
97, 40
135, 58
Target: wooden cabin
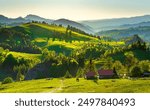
90, 75
106, 74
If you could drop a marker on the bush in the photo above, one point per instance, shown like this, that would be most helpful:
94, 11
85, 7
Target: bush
7, 80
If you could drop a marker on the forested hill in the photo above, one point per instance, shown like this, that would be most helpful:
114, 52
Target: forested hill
142, 31
31, 37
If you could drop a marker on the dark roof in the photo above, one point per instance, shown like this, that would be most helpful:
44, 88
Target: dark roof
105, 72
90, 74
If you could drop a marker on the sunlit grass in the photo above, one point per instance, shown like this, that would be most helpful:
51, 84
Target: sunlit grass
113, 43
42, 85
25, 55
83, 86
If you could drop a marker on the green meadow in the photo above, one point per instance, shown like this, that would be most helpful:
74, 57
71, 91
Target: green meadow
59, 85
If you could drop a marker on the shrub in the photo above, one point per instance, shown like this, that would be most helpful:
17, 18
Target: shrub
7, 80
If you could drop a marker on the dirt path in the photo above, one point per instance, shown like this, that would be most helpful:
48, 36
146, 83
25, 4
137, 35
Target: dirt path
59, 88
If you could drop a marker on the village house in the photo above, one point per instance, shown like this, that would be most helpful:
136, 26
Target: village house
90, 75
102, 74
106, 74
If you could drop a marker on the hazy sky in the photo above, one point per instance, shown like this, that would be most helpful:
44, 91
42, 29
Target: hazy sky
75, 9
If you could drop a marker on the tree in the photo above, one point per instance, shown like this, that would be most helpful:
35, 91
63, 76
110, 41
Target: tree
72, 66
10, 61
144, 65
79, 72
21, 71
20, 76
68, 75
130, 59
70, 33
135, 71
108, 63
90, 67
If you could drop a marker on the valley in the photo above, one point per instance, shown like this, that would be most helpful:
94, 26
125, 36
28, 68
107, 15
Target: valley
55, 54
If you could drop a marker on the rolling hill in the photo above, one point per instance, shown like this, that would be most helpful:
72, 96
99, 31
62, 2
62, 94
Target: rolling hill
66, 22
29, 18
38, 35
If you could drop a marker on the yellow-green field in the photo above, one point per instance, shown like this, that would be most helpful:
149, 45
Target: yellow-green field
26, 55
57, 85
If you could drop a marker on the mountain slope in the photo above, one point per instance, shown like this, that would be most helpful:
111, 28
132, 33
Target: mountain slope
37, 18
133, 39
66, 22
6, 20
135, 25
143, 32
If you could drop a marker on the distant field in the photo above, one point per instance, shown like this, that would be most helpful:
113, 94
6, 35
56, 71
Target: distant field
83, 86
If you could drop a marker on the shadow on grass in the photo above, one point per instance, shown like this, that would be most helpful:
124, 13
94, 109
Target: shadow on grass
48, 87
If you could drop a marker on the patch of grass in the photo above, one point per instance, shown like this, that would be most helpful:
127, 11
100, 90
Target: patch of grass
38, 30
33, 86
60, 49
26, 55
83, 86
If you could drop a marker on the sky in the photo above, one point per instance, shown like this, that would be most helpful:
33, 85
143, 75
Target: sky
75, 9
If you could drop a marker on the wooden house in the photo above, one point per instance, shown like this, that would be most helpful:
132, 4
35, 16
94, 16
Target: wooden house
106, 74
90, 75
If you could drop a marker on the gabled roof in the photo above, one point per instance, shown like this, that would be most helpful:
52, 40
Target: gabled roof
105, 72
90, 74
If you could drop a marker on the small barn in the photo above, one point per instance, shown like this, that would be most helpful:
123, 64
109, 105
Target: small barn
90, 75
106, 74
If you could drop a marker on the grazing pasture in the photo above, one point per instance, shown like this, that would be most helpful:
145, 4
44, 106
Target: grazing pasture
70, 85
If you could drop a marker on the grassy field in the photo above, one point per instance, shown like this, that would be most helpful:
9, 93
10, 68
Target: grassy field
83, 86
39, 30
26, 55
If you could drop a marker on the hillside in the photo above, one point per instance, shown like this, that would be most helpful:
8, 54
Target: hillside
17, 41
29, 18
66, 22
142, 31
36, 50
38, 35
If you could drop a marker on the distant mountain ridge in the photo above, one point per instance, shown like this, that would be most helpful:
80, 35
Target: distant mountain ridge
89, 26
109, 24
6, 20
117, 34
30, 17
37, 18
135, 25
